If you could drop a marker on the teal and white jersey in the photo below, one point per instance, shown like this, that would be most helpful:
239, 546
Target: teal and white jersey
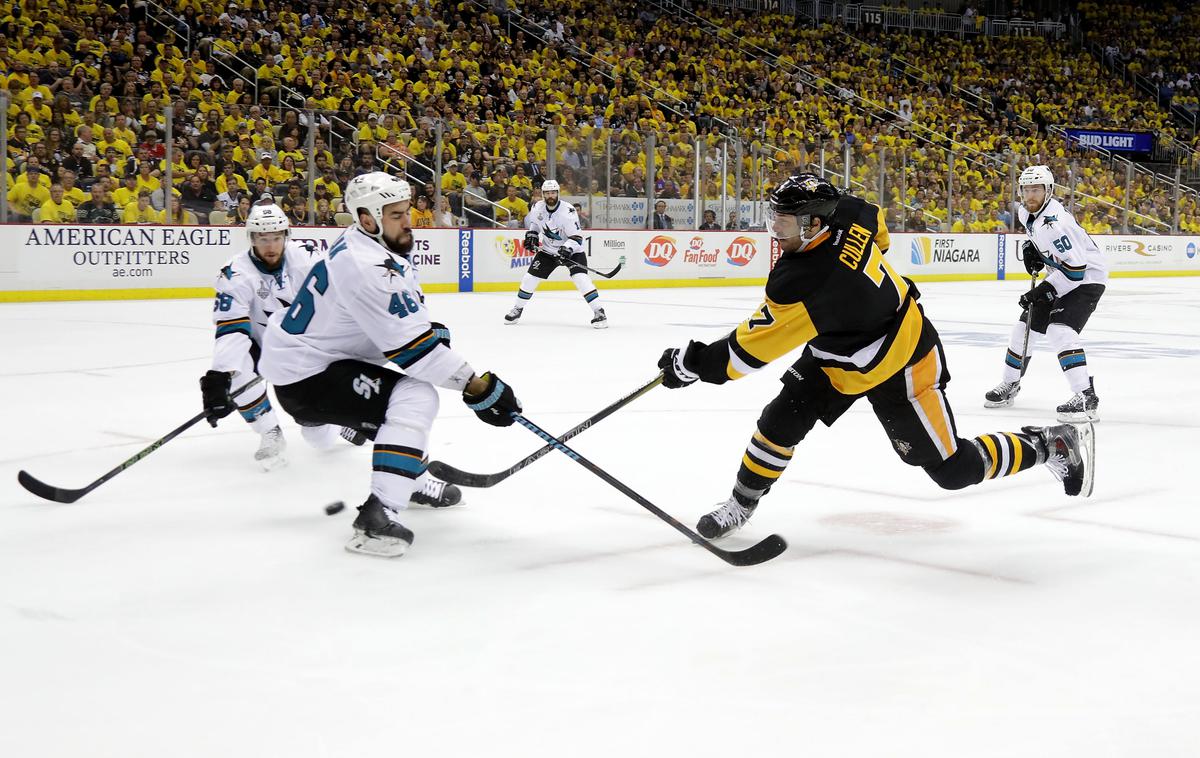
1072, 257
559, 229
362, 302
247, 294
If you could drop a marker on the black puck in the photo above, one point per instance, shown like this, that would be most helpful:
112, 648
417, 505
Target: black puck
333, 508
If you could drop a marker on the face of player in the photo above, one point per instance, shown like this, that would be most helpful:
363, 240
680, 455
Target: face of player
268, 246
1033, 197
551, 198
792, 231
397, 234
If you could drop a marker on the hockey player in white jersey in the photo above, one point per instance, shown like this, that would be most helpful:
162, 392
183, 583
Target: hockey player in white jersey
250, 287
556, 235
1060, 306
359, 310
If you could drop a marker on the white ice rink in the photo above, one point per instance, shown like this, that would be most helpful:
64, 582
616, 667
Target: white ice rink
195, 606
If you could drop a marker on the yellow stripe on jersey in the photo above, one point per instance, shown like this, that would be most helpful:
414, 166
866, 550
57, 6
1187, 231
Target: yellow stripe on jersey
853, 382
772, 332
924, 376
882, 239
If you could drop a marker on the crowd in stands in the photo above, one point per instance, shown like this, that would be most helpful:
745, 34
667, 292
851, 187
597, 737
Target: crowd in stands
88, 87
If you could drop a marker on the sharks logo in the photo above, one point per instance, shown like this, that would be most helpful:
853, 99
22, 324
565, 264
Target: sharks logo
228, 272
1049, 220
390, 268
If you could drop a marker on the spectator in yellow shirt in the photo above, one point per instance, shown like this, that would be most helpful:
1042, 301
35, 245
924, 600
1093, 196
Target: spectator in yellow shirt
268, 170
422, 216
70, 191
56, 210
514, 204
140, 211
146, 179
127, 192
28, 192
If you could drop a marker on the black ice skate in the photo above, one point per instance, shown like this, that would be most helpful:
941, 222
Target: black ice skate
377, 532
512, 316
600, 321
435, 493
1069, 451
353, 436
1002, 395
1082, 407
728, 517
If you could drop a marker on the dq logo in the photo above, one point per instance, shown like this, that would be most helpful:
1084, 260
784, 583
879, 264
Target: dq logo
1191, 250
922, 251
514, 250
660, 250
741, 251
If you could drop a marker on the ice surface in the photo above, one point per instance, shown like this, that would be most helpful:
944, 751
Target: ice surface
195, 606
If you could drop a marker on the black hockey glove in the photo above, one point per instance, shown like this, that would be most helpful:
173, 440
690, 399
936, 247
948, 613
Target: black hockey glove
1032, 259
532, 241
496, 403
441, 331
214, 387
1043, 294
673, 363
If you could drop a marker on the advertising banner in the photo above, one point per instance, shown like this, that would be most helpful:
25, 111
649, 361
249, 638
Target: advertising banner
1114, 142
945, 256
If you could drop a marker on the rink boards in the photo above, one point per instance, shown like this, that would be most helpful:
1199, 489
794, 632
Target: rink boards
70, 262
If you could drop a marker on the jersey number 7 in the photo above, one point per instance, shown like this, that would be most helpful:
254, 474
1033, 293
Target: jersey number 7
305, 306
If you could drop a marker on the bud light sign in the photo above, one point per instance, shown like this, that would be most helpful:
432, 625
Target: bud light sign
660, 250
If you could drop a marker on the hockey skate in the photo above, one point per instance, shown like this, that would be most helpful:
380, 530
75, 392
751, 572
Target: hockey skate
353, 436
1082, 407
600, 321
270, 449
512, 316
1002, 395
728, 517
1070, 454
377, 532
435, 493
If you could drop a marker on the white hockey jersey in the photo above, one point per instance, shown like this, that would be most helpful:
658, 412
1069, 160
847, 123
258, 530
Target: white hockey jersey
559, 230
247, 295
1071, 255
363, 303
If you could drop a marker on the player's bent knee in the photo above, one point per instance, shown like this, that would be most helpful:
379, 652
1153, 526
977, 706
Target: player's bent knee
787, 419
962, 469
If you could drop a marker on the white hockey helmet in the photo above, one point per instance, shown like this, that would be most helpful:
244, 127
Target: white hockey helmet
372, 193
550, 186
266, 218
1035, 175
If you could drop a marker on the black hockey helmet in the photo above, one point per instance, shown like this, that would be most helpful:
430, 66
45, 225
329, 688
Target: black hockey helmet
805, 195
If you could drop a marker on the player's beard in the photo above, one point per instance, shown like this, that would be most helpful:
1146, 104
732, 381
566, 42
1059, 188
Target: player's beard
402, 246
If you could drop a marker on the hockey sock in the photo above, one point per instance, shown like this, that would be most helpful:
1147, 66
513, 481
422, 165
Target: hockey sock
762, 464
398, 459
1071, 357
259, 414
1074, 366
529, 285
584, 284
1014, 361
1006, 453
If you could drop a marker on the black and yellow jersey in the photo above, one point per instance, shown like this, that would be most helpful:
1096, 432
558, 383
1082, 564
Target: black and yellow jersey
859, 318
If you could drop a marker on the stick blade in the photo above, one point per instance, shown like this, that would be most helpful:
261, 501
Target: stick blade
770, 547
43, 490
448, 473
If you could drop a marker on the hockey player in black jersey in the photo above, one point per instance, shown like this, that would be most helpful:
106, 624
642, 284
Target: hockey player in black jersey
866, 336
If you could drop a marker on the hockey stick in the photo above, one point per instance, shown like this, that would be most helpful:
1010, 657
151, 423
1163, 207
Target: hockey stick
609, 275
467, 479
61, 495
1028, 323
766, 549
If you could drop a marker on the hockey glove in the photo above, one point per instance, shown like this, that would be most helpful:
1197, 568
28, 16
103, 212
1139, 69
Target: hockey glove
1032, 259
673, 363
1043, 294
214, 387
441, 331
532, 241
496, 403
